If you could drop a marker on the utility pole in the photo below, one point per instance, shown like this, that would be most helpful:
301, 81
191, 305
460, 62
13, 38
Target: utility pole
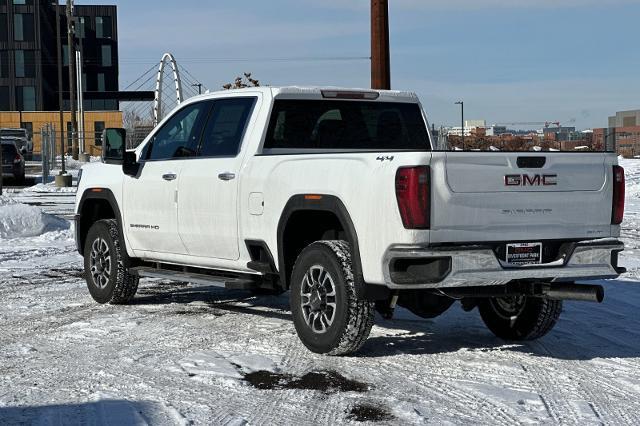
199, 86
60, 98
72, 78
380, 58
1, 178
461, 120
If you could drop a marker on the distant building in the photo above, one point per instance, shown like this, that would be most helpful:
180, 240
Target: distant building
29, 66
28, 55
475, 123
497, 130
456, 131
625, 119
95, 123
623, 133
560, 133
470, 127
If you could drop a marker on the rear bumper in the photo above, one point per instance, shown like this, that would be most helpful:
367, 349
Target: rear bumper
416, 267
10, 170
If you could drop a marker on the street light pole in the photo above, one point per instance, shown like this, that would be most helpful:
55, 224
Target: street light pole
461, 103
199, 86
1, 168
72, 79
60, 98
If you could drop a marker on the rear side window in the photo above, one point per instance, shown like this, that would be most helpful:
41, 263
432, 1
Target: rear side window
346, 125
8, 151
13, 133
225, 128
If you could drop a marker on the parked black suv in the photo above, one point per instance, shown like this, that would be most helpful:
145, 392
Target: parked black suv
12, 162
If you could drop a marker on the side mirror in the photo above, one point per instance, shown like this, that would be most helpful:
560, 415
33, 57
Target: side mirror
113, 145
130, 166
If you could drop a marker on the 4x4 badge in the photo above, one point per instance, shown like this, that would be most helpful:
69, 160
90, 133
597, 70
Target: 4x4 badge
385, 158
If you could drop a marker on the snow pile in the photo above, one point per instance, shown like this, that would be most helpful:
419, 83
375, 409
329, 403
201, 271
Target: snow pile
72, 164
50, 188
632, 177
19, 220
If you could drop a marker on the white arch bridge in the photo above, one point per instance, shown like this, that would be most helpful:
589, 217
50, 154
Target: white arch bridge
171, 83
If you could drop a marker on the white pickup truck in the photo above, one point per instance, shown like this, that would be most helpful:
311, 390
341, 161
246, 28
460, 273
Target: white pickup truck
337, 196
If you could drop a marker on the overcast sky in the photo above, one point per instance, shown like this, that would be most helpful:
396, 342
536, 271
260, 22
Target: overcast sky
576, 61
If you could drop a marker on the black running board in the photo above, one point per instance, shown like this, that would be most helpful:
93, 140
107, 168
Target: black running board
218, 281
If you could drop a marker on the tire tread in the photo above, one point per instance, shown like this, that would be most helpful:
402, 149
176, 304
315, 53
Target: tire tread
361, 313
126, 284
537, 319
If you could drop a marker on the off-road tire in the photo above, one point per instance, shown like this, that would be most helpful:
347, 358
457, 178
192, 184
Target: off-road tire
535, 319
121, 286
353, 318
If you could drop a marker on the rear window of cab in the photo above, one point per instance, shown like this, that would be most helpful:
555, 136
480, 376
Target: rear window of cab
338, 125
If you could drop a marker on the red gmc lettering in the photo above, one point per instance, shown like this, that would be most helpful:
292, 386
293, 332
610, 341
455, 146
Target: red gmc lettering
549, 180
534, 180
512, 180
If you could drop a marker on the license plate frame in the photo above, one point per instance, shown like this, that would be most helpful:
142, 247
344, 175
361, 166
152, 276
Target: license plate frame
523, 254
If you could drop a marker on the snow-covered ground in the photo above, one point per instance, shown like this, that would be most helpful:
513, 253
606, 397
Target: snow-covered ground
185, 353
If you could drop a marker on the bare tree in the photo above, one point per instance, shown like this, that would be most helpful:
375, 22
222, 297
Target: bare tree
129, 119
242, 82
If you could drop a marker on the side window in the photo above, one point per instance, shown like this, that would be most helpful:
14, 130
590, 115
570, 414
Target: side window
224, 131
179, 136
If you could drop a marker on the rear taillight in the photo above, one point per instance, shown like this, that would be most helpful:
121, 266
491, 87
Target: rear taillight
617, 211
412, 193
18, 159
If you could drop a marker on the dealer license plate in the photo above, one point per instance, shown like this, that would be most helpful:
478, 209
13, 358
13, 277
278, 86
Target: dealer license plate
524, 254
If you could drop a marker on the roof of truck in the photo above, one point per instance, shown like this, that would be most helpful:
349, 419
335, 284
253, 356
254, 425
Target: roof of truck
317, 92
313, 92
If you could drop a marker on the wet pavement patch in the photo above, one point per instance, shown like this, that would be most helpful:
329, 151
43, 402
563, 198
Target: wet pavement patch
369, 413
324, 381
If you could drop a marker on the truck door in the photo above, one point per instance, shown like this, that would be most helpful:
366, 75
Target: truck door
208, 186
150, 199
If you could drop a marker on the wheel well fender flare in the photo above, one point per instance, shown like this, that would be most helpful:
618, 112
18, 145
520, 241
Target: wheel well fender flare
322, 203
89, 195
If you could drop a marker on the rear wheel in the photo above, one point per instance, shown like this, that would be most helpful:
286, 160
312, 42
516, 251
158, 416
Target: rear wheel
327, 315
520, 317
105, 265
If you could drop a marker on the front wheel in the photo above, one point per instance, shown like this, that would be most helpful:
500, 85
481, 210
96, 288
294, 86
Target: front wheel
328, 317
105, 265
520, 317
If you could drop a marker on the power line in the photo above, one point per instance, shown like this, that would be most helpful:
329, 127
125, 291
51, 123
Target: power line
258, 59
196, 80
142, 76
144, 83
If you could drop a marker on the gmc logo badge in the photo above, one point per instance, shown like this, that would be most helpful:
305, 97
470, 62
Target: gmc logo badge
528, 180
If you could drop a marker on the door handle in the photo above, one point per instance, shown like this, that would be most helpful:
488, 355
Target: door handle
169, 176
226, 176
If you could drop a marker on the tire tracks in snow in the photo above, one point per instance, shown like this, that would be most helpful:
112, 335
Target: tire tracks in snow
467, 404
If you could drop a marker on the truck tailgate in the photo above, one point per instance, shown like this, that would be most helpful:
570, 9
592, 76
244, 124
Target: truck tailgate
520, 196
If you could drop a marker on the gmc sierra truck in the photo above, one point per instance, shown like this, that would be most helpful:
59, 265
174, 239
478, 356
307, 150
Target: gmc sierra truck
337, 196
